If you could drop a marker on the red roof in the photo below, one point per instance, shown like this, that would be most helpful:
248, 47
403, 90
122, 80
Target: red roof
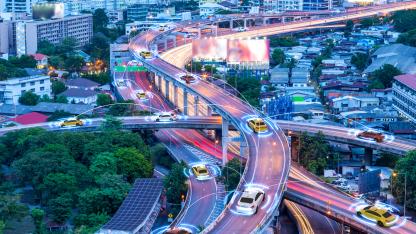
30, 118
39, 57
408, 80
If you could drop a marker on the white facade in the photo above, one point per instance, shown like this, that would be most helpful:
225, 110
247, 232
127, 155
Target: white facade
347, 103
85, 100
15, 6
283, 5
12, 89
30, 33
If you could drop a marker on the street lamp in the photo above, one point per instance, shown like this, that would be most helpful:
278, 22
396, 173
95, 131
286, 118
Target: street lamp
405, 190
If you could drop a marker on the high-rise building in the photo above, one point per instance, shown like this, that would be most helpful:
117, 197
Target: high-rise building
17, 6
317, 5
404, 92
30, 33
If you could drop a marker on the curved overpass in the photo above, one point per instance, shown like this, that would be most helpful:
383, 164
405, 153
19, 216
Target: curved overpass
211, 96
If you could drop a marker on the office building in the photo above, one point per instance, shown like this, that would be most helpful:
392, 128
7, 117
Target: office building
30, 33
404, 93
12, 89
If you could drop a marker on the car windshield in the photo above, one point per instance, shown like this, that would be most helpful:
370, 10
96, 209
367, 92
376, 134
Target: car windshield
387, 215
202, 171
246, 200
165, 116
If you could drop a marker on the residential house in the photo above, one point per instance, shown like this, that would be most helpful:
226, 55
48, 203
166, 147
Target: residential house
12, 89
348, 103
82, 83
77, 95
41, 60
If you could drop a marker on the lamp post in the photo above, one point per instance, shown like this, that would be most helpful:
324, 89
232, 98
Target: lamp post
405, 190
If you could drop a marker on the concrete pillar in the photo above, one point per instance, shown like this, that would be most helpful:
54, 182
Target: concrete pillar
185, 102
294, 147
368, 156
199, 33
243, 148
175, 95
245, 23
231, 24
167, 89
159, 83
209, 111
196, 105
166, 44
224, 141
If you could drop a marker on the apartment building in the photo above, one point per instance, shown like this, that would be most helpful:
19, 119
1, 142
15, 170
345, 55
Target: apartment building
12, 89
30, 33
17, 6
404, 93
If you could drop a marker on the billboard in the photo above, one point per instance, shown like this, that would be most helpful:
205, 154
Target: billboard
44, 11
209, 49
369, 182
248, 51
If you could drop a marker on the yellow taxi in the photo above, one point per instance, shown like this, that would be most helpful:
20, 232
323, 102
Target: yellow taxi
257, 125
72, 122
146, 54
141, 94
200, 171
382, 217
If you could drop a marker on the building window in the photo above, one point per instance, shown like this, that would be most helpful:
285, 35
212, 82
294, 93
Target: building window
23, 85
32, 90
42, 88
42, 81
32, 83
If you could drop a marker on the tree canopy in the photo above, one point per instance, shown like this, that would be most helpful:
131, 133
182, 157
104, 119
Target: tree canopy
406, 167
383, 77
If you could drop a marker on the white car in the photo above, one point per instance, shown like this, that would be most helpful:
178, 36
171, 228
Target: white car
250, 201
240, 29
165, 117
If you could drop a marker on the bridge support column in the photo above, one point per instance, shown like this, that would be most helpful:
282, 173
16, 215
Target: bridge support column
243, 148
368, 156
185, 102
167, 89
175, 95
294, 148
224, 141
209, 111
159, 82
196, 105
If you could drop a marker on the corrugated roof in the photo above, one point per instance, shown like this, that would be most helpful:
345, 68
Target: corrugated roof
408, 80
30, 118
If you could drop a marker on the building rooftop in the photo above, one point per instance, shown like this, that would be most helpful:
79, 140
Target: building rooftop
30, 118
135, 209
408, 80
82, 83
78, 93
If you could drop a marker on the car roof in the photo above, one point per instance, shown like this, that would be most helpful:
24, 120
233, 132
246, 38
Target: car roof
251, 192
377, 209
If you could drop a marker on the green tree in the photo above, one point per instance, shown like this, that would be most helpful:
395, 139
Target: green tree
175, 183
278, 56
408, 38
47, 48
104, 99
56, 61
74, 63
94, 220
94, 200
37, 216
404, 20
360, 60
61, 99
55, 184
100, 20
111, 123
160, 156
383, 76
58, 87
67, 46
283, 42
24, 61
406, 167
133, 164
60, 207
387, 160
249, 89
122, 108
29, 98
101, 78
104, 164
367, 22
349, 26
231, 173
313, 151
